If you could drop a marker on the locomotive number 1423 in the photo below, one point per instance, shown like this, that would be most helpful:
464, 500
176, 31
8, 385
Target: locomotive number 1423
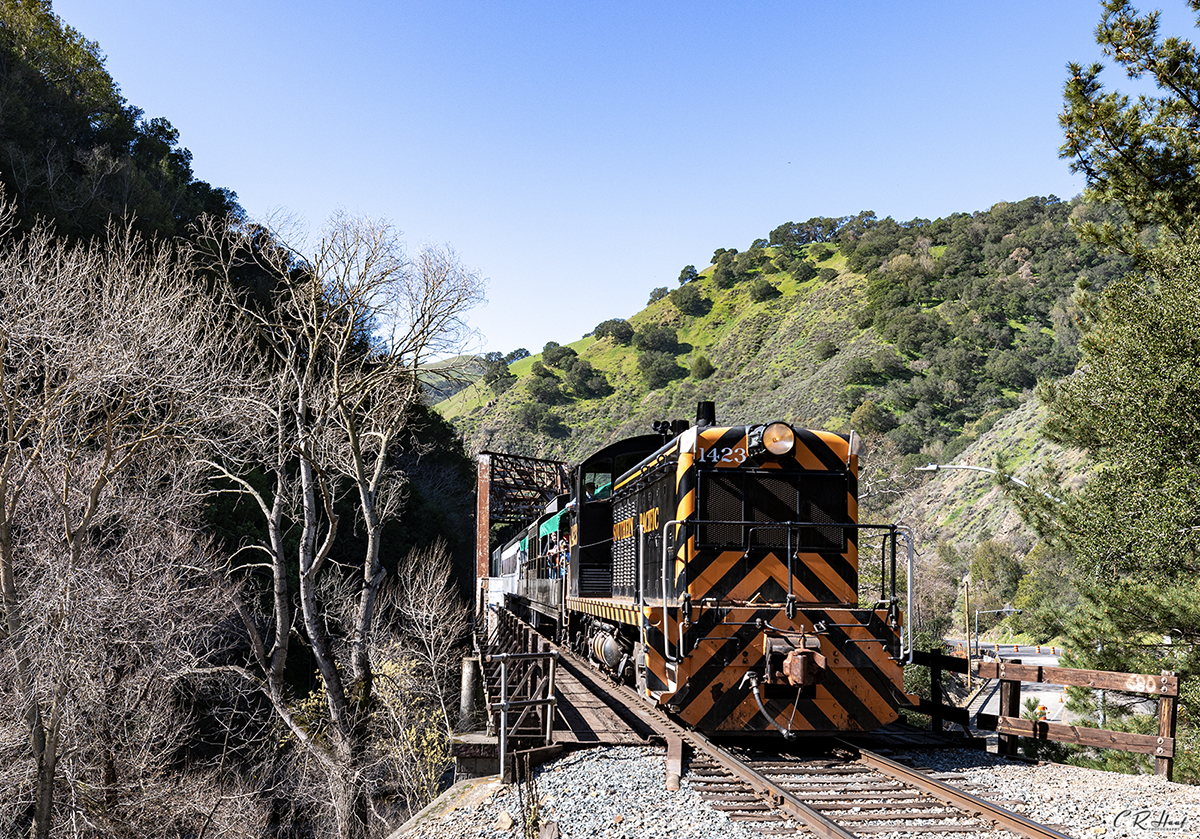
724, 455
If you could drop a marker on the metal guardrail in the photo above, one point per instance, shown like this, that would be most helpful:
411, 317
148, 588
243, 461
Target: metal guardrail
525, 683
505, 705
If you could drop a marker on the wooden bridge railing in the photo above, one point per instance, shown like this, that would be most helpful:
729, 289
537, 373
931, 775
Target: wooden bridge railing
936, 709
1009, 723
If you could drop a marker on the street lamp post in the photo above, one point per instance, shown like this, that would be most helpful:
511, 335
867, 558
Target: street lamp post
936, 467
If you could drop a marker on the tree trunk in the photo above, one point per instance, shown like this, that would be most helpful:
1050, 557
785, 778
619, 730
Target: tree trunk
349, 802
45, 748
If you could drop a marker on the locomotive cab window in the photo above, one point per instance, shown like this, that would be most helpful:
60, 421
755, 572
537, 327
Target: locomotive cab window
755, 503
597, 485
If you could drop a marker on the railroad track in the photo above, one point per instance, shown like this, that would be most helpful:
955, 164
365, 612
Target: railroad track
849, 793
854, 792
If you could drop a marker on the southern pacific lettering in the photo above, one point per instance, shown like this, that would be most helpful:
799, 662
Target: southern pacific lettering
744, 616
624, 529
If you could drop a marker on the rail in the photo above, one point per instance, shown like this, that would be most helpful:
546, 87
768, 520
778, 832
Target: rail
957, 798
777, 794
1010, 725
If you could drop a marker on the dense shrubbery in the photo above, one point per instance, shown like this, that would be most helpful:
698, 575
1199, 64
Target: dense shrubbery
620, 331
761, 289
558, 356
804, 270
537, 417
689, 301
545, 389
657, 338
586, 382
983, 300
702, 368
825, 349
658, 368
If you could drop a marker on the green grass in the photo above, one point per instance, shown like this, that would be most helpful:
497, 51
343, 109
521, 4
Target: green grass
522, 367
466, 400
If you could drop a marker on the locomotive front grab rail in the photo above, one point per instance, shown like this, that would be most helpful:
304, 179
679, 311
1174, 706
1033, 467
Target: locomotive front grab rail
906, 650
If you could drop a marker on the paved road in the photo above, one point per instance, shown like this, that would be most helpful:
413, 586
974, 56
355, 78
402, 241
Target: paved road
1052, 696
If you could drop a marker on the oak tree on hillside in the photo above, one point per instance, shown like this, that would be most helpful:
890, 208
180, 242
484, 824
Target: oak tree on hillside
616, 329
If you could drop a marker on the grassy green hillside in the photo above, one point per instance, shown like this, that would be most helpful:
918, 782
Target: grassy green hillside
762, 352
966, 507
916, 331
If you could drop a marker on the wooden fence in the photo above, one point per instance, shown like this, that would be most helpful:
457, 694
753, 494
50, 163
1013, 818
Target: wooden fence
938, 711
1010, 725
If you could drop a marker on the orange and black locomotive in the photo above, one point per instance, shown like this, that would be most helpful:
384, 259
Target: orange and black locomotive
716, 568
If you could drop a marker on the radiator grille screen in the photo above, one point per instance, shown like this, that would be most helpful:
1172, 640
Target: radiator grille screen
722, 501
765, 499
624, 550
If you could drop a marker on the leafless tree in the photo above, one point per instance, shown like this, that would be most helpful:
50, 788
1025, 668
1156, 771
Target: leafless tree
433, 623
883, 482
111, 359
348, 330
418, 669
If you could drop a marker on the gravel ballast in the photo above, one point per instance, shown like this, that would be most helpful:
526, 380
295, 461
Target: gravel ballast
1086, 802
613, 792
620, 793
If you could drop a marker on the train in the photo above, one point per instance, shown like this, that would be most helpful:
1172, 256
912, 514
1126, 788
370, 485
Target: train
716, 569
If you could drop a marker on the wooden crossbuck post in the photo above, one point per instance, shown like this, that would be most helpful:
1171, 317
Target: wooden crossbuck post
1167, 707
1010, 706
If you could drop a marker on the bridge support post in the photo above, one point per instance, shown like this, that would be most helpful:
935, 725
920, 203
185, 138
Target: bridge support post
468, 700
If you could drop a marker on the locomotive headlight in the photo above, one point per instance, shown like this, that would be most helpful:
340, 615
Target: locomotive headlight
778, 438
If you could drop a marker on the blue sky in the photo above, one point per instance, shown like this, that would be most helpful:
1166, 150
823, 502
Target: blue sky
579, 154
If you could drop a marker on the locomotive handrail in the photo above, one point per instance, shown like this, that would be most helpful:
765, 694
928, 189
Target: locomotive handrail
906, 649
666, 626
908, 538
